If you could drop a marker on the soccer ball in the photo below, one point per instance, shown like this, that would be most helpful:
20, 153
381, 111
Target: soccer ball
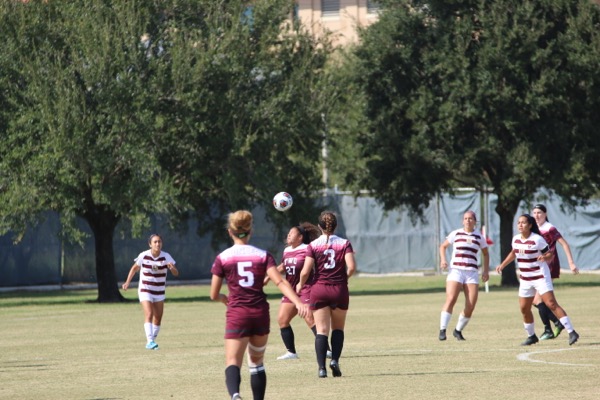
282, 201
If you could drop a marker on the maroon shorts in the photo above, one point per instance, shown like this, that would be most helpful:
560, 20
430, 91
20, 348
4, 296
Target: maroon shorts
326, 295
304, 296
243, 322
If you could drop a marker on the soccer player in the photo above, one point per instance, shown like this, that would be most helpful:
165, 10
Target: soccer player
332, 257
153, 264
247, 320
463, 274
531, 252
551, 235
292, 262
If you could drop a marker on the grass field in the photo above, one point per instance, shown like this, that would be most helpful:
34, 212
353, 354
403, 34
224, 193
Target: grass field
61, 345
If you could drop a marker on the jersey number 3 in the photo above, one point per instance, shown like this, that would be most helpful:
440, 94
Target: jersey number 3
330, 253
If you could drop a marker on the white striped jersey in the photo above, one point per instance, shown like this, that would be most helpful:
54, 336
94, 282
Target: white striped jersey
526, 253
465, 249
153, 272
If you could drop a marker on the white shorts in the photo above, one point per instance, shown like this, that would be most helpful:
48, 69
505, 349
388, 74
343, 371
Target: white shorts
542, 285
469, 276
152, 298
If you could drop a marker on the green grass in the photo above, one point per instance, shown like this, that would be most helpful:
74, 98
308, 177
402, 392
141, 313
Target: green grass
62, 345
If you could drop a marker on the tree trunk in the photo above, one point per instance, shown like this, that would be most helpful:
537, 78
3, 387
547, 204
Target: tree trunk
507, 214
103, 222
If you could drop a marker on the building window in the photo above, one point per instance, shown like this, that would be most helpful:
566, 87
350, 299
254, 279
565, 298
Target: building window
330, 8
373, 6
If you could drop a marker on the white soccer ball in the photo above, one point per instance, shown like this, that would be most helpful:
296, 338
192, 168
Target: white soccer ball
282, 201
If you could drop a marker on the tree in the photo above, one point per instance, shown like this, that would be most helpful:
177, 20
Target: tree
490, 94
249, 98
118, 110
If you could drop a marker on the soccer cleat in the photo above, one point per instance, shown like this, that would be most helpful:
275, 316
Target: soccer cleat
288, 356
151, 345
236, 397
335, 369
322, 373
458, 335
548, 334
328, 355
573, 337
442, 334
533, 339
558, 328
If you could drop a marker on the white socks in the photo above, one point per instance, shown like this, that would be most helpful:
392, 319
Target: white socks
462, 322
155, 330
151, 331
148, 331
566, 321
444, 319
529, 328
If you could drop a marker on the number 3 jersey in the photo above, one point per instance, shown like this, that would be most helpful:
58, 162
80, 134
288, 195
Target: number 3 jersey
244, 268
330, 258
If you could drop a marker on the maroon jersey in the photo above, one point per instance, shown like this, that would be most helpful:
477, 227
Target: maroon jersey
293, 261
329, 256
244, 268
551, 236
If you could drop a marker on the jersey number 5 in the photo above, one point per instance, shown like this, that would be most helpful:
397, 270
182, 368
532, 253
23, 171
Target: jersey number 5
246, 276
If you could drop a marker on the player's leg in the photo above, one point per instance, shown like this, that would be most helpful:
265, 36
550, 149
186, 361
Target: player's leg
543, 310
258, 375
309, 319
525, 304
471, 294
310, 322
234, 355
550, 301
341, 300
525, 307
157, 314
558, 326
555, 274
287, 311
453, 289
148, 309
322, 318
338, 321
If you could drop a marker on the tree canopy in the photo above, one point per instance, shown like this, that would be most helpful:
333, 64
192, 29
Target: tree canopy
498, 95
113, 111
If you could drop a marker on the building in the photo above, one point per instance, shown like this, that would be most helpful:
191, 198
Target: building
339, 17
